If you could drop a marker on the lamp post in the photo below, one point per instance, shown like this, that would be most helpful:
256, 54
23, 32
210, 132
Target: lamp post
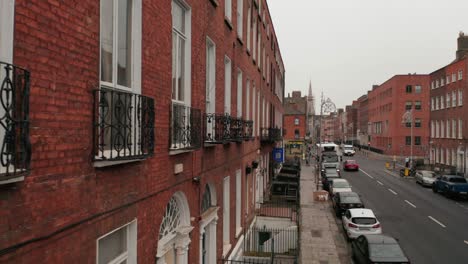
326, 106
408, 118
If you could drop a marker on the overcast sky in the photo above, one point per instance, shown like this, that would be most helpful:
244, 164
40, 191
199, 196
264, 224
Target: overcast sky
346, 46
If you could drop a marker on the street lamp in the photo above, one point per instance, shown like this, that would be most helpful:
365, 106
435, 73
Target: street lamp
326, 106
408, 118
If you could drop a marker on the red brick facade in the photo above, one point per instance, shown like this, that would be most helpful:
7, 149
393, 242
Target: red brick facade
295, 127
65, 204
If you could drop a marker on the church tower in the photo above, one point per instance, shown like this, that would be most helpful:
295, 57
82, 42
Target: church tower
310, 112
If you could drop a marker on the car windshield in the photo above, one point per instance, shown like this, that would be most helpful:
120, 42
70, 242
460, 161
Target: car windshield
428, 174
340, 184
350, 199
364, 220
330, 158
457, 180
386, 251
348, 148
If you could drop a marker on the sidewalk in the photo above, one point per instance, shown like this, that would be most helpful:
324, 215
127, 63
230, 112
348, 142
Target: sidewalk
321, 240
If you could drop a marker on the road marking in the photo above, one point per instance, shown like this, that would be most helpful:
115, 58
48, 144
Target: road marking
392, 191
367, 174
466, 242
408, 202
435, 220
379, 183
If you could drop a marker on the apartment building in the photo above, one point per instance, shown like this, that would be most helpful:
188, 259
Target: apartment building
132, 130
398, 116
448, 143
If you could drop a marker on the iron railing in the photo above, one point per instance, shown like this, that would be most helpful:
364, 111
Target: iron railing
185, 127
261, 260
123, 125
248, 129
270, 135
237, 129
15, 153
217, 128
280, 209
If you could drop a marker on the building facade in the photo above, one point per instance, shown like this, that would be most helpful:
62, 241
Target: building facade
399, 116
448, 118
138, 131
363, 120
351, 125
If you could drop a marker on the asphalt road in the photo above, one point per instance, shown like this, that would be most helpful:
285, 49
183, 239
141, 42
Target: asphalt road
430, 227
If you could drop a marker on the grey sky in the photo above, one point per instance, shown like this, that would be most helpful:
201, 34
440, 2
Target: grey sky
345, 46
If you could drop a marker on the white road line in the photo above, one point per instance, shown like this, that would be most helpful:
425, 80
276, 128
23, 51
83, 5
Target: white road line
367, 174
392, 191
408, 202
466, 242
379, 183
435, 220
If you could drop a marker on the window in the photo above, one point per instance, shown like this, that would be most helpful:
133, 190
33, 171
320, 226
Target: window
247, 100
249, 25
460, 75
259, 48
417, 105
258, 113
239, 93
408, 123
454, 77
447, 98
448, 128
437, 83
417, 122
442, 104
226, 214
460, 130
7, 11
437, 103
454, 99
120, 29
228, 10
409, 88
442, 129
442, 81
460, 97
240, 17
408, 140
118, 246
448, 79
238, 201
437, 132
254, 38
432, 85
454, 128
296, 121
432, 129
254, 110
417, 89
432, 103
417, 140
227, 85
210, 76
296, 134
408, 105
180, 53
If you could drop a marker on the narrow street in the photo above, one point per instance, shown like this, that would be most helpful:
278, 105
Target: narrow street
430, 227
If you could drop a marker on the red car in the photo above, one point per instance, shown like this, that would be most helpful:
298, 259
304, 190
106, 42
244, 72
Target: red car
350, 165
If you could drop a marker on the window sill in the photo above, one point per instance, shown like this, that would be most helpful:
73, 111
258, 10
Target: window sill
239, 39
173, 152
228, 23
12, 180
226, 249
108, 163
215, 3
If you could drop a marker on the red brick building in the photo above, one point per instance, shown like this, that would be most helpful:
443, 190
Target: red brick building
388, 103
351, 125
363, 120
137, 123
448, 115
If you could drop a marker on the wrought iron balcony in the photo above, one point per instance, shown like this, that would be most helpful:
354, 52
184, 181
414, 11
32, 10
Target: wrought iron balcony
123, 125
269, 135
217, 128
14, 122
248, 129
185, 127
237, 129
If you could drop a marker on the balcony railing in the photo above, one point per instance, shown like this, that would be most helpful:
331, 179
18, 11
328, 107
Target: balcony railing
14, 121
248, 129
217, 128
237, 129
271, 134
123, 125
185, 127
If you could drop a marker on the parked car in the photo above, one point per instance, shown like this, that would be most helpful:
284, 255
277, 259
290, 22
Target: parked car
350, 165
330, 171
346, 200
339, 185
348, 150
451, 185
425, 177
327, 179
361, 221
377, 249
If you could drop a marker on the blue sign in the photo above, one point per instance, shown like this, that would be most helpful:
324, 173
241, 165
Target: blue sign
278, 155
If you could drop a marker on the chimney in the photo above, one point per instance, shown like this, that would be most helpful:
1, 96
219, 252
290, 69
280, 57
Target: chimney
462, 48
296, 94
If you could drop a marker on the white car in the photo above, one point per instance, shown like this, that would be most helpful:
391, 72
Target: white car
425, 178
360, 221
339, 185
348, 150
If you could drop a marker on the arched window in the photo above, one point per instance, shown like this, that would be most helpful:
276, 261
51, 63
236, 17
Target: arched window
206, 200
171, 219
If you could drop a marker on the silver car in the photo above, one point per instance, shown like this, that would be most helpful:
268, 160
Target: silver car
425, 178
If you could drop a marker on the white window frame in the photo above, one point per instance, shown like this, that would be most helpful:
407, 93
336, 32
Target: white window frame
437, 83
432, 85
454, 99
226, 215
228, 10
442, 81
7, 24
131, 254
187, 52
254, 39
136, 50
448, 79
432, 129
460, 97
437, 132
442, 129
460, 75
258, 113
460, 129
432, 103
259, 48
448, 101
249, 25
254, 110
238, 202
239, 92
454, 77
447, 126
240, 18
210, 87
442, 104
454, 128
227, 84
247, 100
